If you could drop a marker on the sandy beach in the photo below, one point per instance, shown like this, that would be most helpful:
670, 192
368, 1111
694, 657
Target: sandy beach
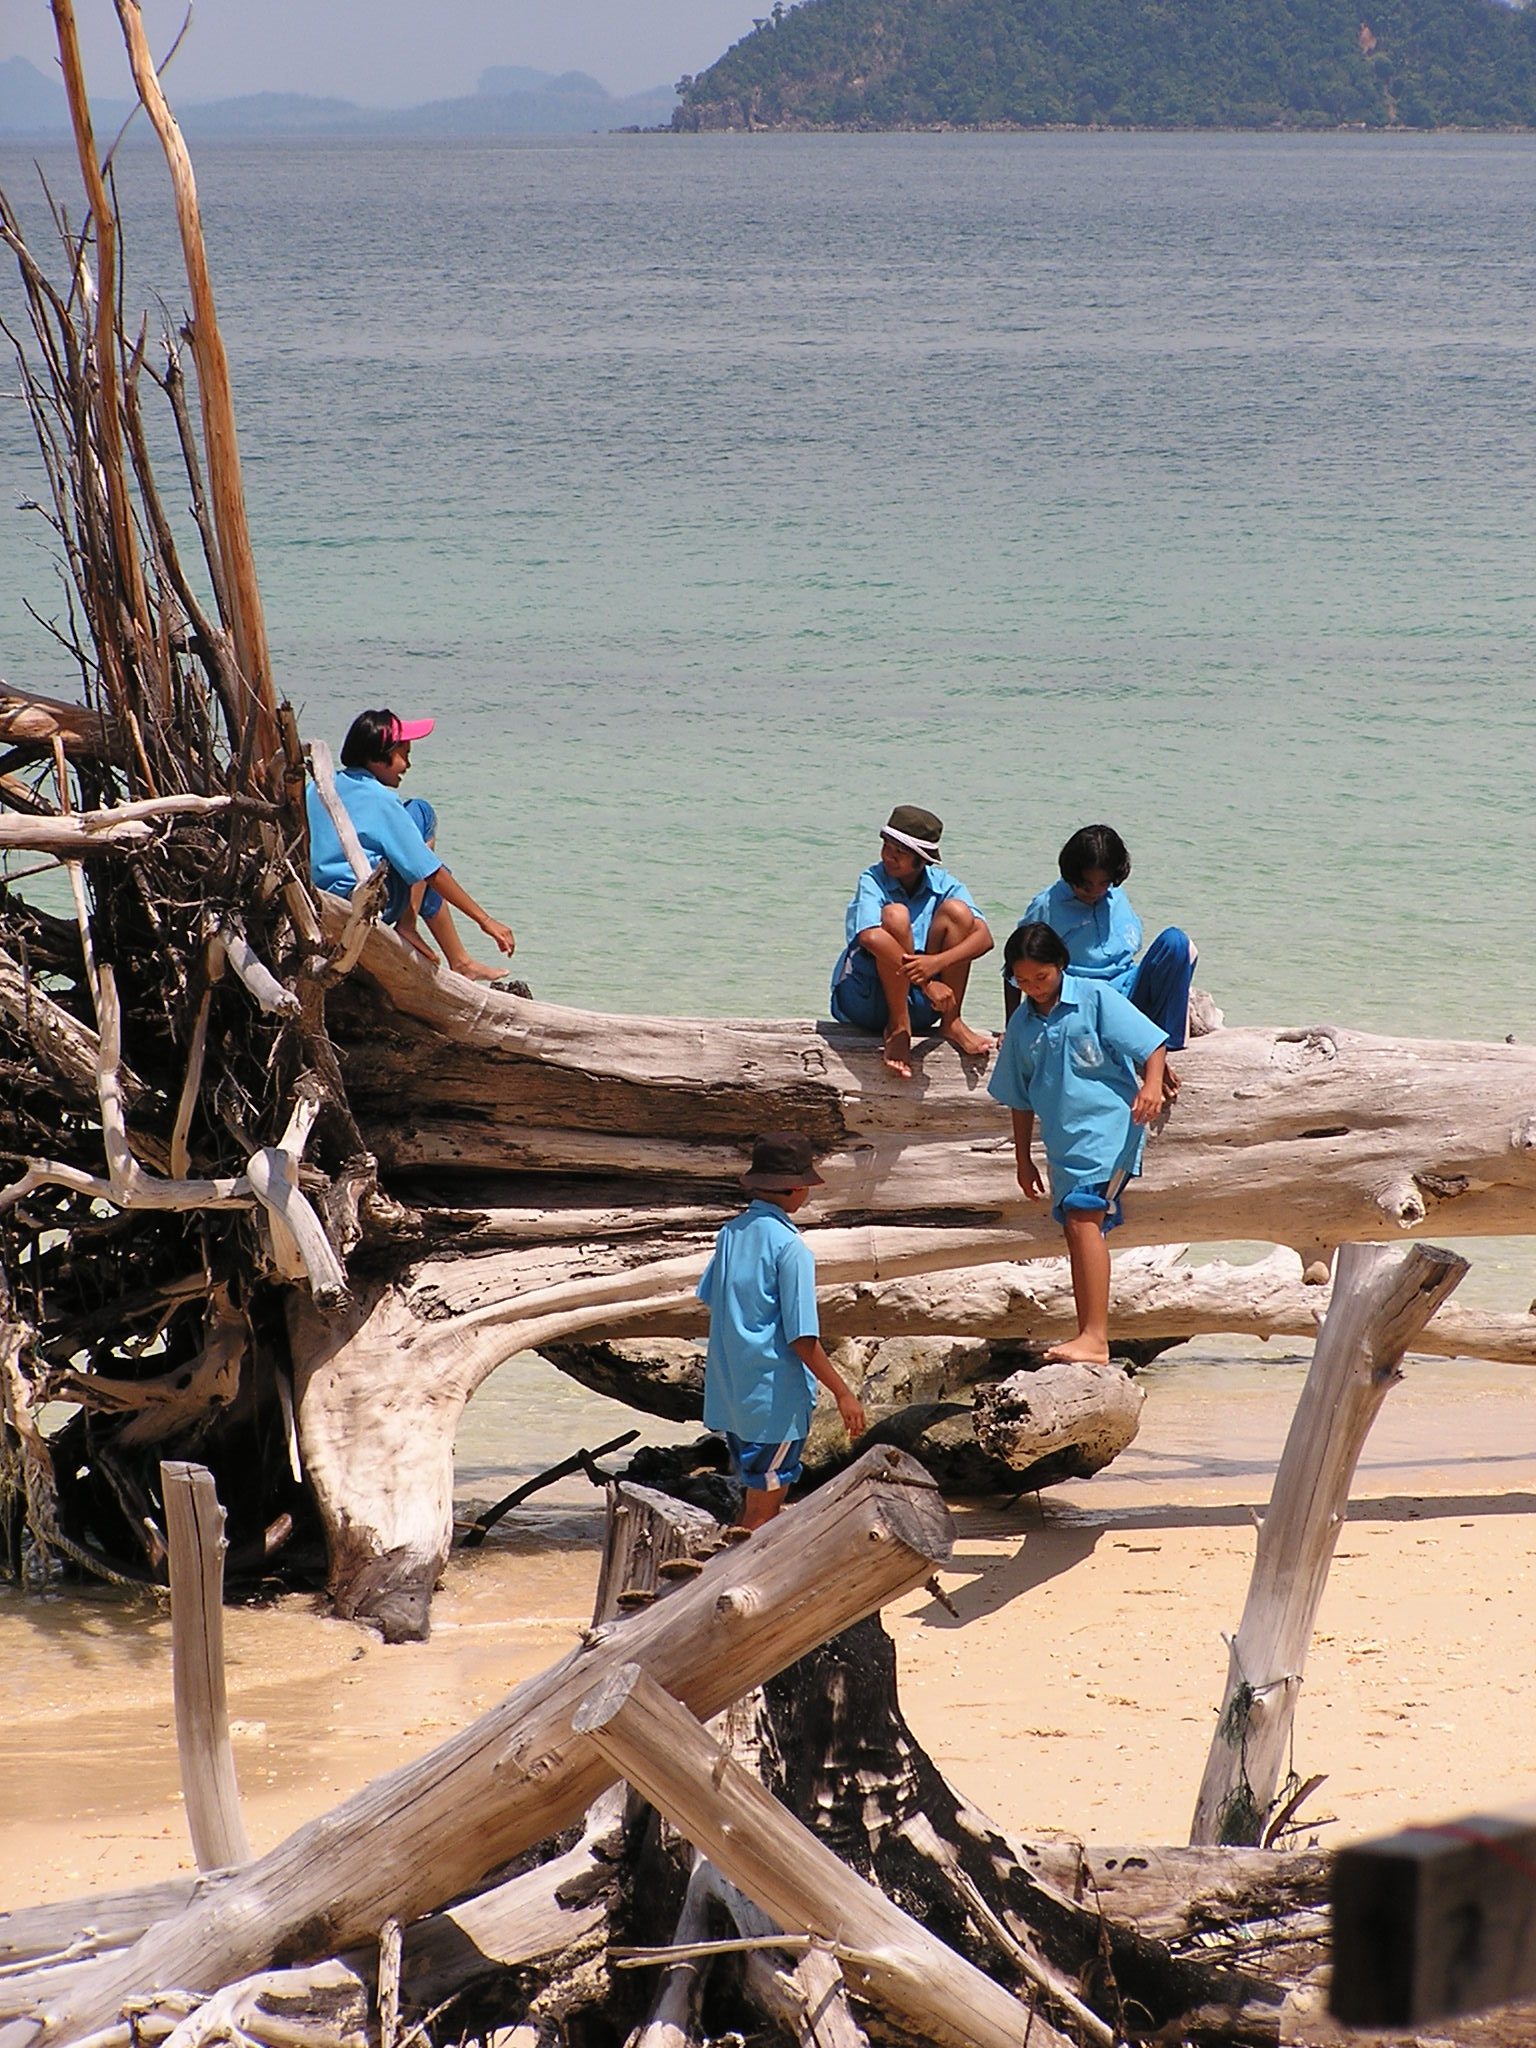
1076, 1691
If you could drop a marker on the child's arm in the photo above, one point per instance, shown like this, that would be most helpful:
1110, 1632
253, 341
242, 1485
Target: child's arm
808, 1350
1023, 1139
921, 967
1149, 1097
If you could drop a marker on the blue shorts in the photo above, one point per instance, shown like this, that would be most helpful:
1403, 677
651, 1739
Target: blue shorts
1102, 1199
766, 1468
425, 819
859, 1000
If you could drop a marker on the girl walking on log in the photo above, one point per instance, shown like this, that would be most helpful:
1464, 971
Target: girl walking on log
1083, 1062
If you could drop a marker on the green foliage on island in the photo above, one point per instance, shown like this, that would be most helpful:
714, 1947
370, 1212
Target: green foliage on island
1124, 63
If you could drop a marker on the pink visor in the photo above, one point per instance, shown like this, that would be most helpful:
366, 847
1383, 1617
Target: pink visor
406, 729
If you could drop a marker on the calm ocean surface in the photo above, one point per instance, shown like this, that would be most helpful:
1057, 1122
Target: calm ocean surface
716, 493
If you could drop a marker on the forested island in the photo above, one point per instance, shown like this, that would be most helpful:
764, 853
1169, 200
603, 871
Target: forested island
1306, 64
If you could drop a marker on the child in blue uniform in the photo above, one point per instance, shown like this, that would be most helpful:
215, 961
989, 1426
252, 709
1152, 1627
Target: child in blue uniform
765, 1353
375, 757
912, 932
1089, 909
1070, 1059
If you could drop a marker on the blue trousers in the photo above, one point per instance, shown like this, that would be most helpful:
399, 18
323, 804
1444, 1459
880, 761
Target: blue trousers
858, 999
1160, 985
422, 815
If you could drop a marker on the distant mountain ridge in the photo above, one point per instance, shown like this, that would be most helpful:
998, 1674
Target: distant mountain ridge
1124, 63
512, 100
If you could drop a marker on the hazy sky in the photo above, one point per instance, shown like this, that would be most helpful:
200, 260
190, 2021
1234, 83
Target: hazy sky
389, 52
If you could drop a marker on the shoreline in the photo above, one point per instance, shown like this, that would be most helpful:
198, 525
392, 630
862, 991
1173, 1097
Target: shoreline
1076, 1692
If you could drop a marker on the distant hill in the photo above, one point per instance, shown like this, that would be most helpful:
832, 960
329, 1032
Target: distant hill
512, 100
1124, 63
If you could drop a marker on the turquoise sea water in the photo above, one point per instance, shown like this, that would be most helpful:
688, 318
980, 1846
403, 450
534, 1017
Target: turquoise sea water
717, 493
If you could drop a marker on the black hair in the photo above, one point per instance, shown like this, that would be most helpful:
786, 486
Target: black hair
370, 737
1094, 848
1035, 942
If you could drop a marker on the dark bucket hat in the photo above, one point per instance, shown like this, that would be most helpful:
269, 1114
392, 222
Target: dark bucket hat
781, 1160
913, 827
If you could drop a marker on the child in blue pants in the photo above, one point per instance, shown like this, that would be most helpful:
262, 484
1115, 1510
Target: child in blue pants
765, 1353
375, 756
1085, 1063
1089, 910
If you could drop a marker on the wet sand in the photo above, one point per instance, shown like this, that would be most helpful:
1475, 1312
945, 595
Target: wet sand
1076, 1691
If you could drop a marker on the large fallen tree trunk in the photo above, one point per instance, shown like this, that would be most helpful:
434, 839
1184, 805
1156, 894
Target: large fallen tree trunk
216, 1212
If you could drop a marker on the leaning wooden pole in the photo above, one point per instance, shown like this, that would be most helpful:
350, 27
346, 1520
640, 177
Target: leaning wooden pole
411, 1841
107, 392
1382, 1298
886, 1956
194, 1534
220, 441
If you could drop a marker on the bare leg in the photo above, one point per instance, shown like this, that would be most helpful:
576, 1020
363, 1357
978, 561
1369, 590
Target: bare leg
951, 922
1088, 1254
446, 933
761, 1505
409, 929
895, 939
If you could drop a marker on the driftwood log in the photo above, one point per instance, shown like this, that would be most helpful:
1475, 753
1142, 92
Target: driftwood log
1383, 1297
1085, 1937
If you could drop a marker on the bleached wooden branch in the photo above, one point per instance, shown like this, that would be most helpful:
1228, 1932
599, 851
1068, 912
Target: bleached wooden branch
400, 1847
300, 1246
197, 1053
933, 1992
363, 910
131, 1187
1154, 1293
323, 770
1383, 1297
28, 720
220, 441
86, 832
194, 1529
68, 1047
255, 976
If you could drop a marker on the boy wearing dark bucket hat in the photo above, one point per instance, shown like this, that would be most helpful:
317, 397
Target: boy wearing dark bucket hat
912, 932
765, 1354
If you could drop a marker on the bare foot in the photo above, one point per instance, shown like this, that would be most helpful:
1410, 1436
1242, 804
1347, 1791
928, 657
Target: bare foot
976, 1045
1170, 1085
1078, 1350
897, 1054
475, 970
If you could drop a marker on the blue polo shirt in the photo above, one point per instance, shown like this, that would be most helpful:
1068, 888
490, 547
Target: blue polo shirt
760, 1289
1076, 1069
1102, 939
935, 885
387, 830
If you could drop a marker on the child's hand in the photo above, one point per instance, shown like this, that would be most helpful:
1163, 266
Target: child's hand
1148, 1103
1030, 1181
851, 1409
917, 967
